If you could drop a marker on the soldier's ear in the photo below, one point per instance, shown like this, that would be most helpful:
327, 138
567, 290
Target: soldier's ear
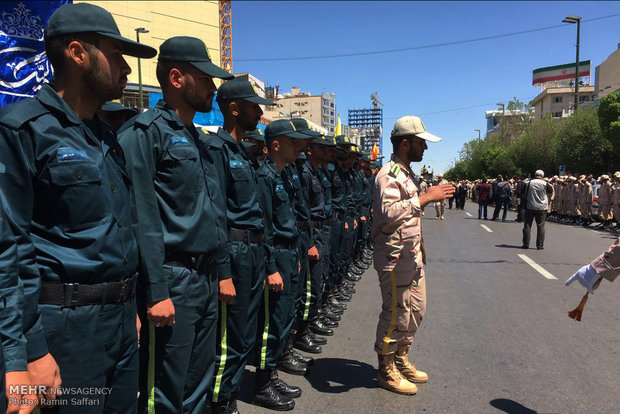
78, 55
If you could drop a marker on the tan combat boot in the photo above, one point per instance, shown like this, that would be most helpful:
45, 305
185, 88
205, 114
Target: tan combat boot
389, 377
406, 368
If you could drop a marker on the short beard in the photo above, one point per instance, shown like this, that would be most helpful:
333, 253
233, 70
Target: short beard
195, 102
99, 82
413, 156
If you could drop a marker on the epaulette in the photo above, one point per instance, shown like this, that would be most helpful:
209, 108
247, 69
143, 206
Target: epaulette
394, 170
143, 120
15, 115
215, 141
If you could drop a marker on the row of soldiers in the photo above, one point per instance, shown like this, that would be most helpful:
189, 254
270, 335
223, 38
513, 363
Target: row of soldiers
207, 251
572, 200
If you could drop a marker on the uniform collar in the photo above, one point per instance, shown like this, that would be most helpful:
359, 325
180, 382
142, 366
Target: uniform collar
271, 166
397, 160
222, 133
169, 114
51, 100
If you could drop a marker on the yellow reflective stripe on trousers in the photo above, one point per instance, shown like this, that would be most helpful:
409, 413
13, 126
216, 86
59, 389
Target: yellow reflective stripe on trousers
386, 340
308, 290
224, 351
263, 349
151, 372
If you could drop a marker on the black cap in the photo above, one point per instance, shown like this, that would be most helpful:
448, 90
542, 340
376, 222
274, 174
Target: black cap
85, 18
324, 140
303, 126
112, 106
240, 88
257, 134
343, 140
282, 127
191, 50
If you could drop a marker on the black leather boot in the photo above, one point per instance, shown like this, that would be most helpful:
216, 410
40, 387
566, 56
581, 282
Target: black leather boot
283, 388
303, 358
305, 343
334, 303
329, 324
318, 328
266, 394
355, 270
225, 407
319, 340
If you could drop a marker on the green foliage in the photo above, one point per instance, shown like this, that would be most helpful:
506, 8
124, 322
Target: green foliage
609, 119
584, 142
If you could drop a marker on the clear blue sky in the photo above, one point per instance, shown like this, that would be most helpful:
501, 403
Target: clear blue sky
418, 82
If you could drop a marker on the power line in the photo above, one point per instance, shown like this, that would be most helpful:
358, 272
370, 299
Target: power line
430, 46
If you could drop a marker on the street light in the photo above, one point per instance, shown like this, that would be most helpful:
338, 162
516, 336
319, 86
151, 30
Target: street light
138, 31
478, 133
502, 105
572, 20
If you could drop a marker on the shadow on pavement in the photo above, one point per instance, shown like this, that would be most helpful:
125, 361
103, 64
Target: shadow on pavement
337, 375
509, 246
511, 407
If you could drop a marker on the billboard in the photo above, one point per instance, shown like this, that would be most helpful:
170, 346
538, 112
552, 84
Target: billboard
548, 74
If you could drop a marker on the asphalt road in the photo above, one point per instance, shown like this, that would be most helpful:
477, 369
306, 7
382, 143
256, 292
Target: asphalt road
496, 337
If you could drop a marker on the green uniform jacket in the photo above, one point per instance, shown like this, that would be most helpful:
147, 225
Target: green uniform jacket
174, 202
69, 197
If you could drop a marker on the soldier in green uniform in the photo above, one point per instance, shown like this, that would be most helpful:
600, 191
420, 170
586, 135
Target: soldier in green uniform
276, 195
239, 295
254, 143
179, 229
66, 189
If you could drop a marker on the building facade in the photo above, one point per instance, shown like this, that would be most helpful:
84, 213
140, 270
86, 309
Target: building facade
559, 102
162, 19
607, 75
318, 109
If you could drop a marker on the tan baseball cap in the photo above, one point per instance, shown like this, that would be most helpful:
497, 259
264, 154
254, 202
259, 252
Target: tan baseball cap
412, 125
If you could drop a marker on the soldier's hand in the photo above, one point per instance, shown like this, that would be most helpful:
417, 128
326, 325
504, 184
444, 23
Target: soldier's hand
161, 313
44, 371
354, 224
29, 401
346, 226
227, 291
363, 219
138, 326
435, 194
274, 281
313, 254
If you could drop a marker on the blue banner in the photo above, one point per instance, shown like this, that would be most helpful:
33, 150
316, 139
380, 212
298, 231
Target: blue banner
24, 67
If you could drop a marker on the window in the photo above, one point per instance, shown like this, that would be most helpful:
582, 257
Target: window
325, 102
558, 99
331, 113
325, 120
331, 104
331, 121
557, 114
583, 98
331, 130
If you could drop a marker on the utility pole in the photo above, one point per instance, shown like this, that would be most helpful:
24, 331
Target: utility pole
572, 20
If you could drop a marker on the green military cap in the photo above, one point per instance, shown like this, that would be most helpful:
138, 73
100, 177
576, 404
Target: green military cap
343, 140
248, 144
88, 18
112, 106
191, 50
257, 134
303, 126
282, 127
240, 88
324, 140
365, 158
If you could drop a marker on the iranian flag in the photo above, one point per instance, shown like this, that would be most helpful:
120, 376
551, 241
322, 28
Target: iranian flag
559, 72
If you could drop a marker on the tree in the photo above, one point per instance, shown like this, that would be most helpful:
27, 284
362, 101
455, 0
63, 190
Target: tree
609, 119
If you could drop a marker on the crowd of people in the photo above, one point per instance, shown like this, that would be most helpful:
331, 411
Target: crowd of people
142, 256
580, 200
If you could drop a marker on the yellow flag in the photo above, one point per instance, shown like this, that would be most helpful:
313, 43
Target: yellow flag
338, 130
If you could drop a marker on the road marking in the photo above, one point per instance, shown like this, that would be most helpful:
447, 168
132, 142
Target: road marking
537, 267
486, 228
468, 214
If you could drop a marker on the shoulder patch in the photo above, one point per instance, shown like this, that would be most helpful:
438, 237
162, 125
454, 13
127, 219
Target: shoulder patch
394, 170
17, 114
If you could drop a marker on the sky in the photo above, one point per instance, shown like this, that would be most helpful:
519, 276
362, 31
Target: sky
428, 82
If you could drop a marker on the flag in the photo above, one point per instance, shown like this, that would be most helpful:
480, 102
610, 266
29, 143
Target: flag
338, 130
24, 67
541, 76
375, 152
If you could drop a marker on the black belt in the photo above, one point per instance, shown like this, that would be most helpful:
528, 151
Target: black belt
284, 243
244, 235
351, 213
338, 216
69, 295
303, 225
189, 261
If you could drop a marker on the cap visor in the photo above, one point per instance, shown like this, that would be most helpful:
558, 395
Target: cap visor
310, 133
258, 100
428, 137
132, 48
211, 69
248, 144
